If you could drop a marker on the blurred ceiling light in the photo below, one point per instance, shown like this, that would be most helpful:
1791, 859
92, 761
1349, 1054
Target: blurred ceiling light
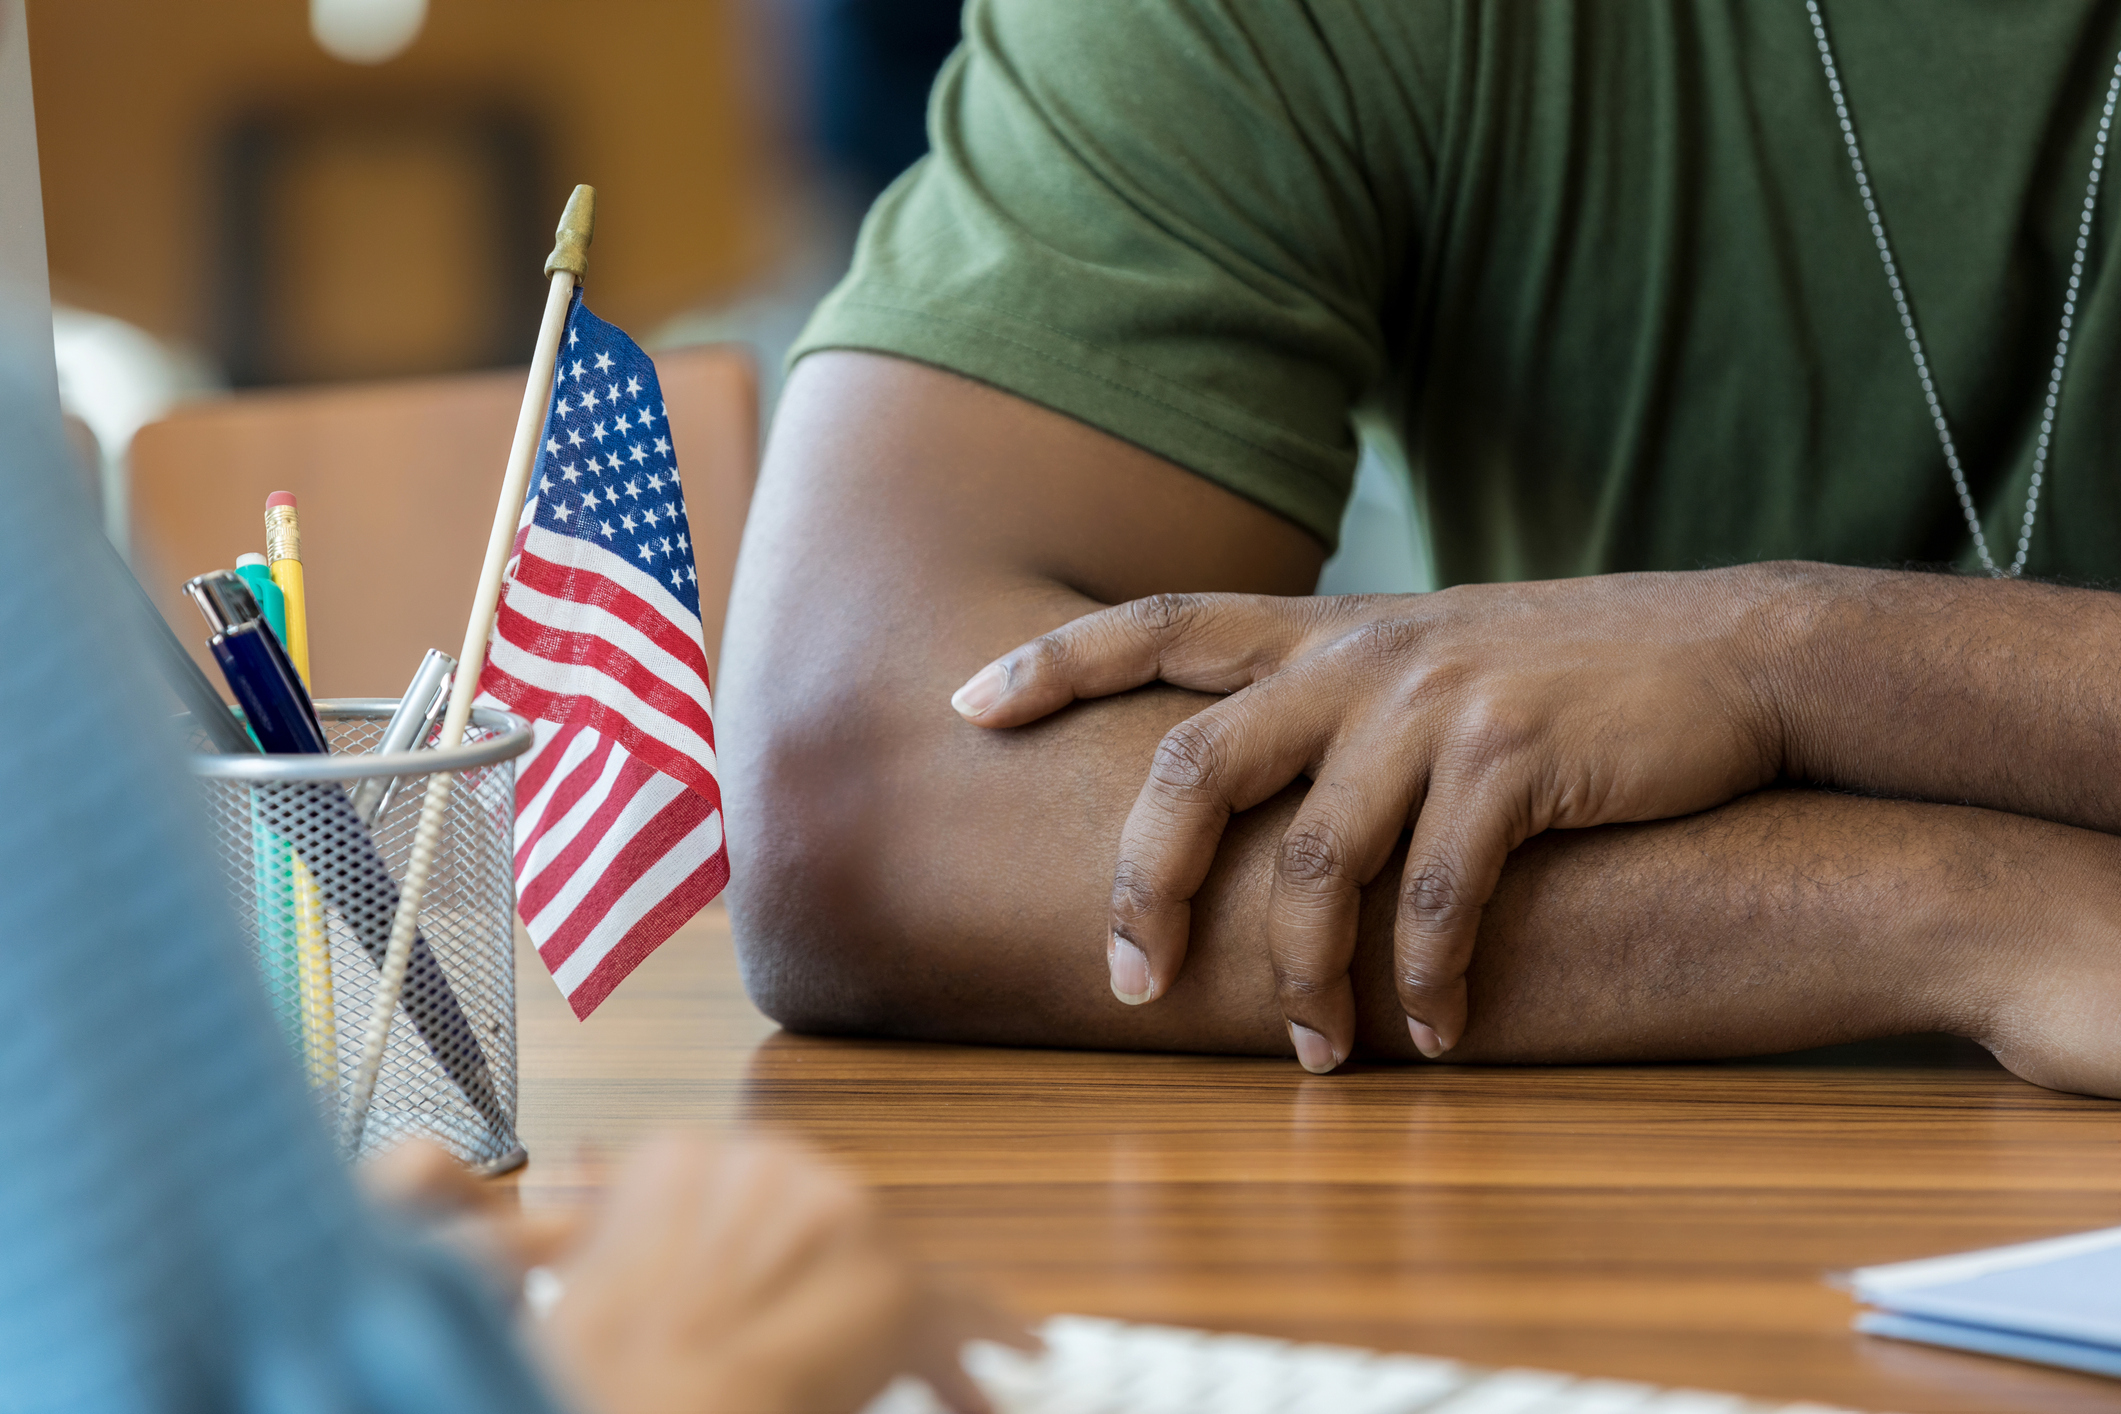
366, 31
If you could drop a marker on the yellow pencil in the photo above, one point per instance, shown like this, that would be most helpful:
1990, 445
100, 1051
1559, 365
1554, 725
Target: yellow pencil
283, 551
320, 1022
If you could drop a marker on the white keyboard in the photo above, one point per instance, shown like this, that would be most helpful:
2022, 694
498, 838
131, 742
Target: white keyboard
1111, 1367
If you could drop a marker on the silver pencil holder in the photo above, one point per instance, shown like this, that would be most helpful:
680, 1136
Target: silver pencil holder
316, 892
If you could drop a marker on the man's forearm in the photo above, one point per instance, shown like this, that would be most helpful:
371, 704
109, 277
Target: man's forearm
961, 895
1796, 918
1993, 692
1781, 920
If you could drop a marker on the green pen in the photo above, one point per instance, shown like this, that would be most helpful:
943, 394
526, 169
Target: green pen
272, 862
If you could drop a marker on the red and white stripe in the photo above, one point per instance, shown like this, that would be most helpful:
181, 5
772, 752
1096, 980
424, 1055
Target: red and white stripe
618, 814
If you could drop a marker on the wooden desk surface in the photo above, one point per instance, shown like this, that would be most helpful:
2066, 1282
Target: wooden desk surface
1664, 1223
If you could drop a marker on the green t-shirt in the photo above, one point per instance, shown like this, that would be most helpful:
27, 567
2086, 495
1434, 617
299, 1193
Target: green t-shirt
1600, 267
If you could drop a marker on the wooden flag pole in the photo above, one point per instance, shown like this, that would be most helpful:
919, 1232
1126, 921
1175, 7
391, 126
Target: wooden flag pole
566, 265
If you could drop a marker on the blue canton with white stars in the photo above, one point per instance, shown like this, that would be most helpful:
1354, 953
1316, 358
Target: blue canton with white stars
606, 472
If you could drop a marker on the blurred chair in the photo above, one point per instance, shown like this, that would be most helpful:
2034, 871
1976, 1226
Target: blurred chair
397, 483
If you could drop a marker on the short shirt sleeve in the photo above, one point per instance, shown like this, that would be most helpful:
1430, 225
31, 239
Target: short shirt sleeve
1167, 220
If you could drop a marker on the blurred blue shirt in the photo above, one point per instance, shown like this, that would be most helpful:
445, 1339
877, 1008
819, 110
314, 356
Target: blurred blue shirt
175, 1233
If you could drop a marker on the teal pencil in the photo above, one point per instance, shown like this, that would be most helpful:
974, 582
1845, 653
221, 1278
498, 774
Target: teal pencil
273, 885
272, 871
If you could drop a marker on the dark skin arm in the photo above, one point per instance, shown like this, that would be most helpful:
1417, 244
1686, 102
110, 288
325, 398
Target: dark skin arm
899, 870
1483, 715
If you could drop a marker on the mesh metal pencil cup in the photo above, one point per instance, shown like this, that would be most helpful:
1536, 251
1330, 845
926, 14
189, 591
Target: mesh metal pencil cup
316, 890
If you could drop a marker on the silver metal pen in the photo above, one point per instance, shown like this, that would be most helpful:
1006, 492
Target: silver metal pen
409, 728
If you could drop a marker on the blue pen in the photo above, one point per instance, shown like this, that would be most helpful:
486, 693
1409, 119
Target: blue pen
275, 703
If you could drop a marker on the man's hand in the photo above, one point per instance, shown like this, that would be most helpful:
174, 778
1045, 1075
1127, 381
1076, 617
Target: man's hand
1478, 717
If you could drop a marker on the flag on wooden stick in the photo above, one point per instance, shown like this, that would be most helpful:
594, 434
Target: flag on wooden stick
619, 834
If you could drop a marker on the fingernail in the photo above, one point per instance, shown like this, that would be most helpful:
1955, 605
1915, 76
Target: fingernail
982, 692
1425, 1040
1313, 1052
1130, 971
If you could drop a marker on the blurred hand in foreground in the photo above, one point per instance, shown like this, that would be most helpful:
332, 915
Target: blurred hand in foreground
715, 1276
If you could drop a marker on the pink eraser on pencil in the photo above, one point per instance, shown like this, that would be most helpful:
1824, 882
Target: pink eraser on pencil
279, 498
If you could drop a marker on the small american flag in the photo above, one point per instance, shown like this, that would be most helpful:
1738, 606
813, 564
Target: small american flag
618, 813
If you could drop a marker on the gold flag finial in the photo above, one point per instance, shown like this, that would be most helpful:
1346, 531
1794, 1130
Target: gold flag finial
577, 223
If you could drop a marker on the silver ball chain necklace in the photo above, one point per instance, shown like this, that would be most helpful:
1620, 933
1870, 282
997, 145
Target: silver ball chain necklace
1907, 318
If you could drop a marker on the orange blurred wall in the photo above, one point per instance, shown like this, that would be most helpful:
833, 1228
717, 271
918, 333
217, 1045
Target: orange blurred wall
649, 100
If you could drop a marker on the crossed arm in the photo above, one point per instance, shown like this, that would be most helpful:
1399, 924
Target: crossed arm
901, 870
